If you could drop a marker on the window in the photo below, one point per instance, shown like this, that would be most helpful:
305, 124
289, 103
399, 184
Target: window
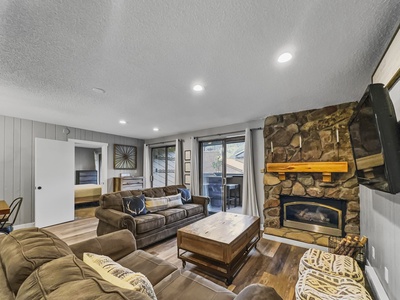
163, 166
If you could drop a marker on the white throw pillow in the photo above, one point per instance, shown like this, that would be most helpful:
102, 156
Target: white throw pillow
174, 200
118, 275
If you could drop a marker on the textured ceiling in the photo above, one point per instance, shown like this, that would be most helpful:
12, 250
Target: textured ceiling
147, 54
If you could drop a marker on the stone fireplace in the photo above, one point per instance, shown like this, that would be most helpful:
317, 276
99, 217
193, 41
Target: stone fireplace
315, 208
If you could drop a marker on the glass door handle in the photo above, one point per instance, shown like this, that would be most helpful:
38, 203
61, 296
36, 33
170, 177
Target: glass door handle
224, 180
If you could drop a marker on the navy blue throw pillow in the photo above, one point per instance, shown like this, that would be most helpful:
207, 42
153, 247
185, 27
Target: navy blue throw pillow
134, 205
185, 195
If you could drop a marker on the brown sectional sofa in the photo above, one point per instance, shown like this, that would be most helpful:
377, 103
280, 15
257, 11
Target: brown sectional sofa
35, 264
152, 227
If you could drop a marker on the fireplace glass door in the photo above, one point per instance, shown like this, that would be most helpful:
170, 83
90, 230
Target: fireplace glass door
313, 216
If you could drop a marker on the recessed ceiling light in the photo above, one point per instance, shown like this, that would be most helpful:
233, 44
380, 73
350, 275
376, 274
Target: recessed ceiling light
198, 88
155, 129
122, 122
285, 57
98, 90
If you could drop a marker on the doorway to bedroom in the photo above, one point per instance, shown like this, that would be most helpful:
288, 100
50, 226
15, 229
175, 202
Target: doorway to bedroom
90, 176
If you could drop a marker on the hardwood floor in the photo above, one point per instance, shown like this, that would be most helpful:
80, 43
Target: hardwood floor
75, 231
271, 263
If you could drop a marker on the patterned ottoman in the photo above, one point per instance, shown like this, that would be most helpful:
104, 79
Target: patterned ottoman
333, 264
315, 285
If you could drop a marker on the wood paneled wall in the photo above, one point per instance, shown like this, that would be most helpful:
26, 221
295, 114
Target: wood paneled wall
17, 157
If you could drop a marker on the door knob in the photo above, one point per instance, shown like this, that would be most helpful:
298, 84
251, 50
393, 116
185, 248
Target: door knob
39, 187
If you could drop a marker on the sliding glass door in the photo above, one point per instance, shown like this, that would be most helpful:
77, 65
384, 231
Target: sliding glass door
212, 172
222, 173
163, 166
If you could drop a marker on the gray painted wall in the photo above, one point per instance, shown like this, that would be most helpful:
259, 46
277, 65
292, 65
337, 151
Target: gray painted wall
258, 148
84, 158
17, 157
380, 222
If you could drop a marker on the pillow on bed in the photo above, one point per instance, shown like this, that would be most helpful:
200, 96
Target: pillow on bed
134, 205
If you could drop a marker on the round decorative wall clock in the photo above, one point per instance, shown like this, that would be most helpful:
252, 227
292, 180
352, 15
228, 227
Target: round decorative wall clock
124, 157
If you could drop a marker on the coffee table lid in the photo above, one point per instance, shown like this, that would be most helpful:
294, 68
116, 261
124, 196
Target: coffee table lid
223, 227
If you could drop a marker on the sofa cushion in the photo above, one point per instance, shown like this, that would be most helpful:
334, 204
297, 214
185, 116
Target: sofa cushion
105, 245
118, 275
145, 223
172, 215
186, 196
134, 205
153, 267
69, 278
173, 189
156, 204
187, 285
24, 250
89, 289
154, 192
174, 200
114, 200
192, 209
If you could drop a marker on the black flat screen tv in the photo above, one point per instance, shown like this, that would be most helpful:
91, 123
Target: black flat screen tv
375, 139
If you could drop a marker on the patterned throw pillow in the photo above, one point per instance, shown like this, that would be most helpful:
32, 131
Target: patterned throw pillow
134, 205
156, 204
174, 200
119, 275
186, 196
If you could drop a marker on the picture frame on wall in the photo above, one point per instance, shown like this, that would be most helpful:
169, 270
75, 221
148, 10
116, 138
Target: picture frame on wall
187, 179
187, 154
125, 157
187, 166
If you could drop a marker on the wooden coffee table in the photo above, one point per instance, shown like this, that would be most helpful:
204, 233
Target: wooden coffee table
219, 244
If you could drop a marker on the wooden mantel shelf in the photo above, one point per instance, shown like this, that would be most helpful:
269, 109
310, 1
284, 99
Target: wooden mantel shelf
326, 168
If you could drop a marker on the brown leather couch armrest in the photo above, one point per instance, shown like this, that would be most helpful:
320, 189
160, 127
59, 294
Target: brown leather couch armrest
115, 245
258, 292
116, 219
203, 200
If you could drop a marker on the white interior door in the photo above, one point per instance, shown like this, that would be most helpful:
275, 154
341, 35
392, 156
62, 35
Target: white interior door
54, 182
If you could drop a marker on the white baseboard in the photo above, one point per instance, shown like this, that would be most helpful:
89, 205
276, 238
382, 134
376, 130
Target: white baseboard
375, 283
27, 225
293, 242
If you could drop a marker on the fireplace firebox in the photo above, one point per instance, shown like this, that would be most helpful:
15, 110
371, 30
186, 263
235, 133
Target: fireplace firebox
313, 214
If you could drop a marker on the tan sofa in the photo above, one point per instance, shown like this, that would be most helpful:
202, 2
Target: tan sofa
152, 227
35, 264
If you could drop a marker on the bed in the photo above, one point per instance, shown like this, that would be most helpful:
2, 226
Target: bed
86, 188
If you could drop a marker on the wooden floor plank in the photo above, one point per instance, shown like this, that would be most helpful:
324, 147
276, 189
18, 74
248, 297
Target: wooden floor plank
271, 263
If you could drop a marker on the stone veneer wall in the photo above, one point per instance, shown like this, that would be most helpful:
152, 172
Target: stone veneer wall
318, 131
